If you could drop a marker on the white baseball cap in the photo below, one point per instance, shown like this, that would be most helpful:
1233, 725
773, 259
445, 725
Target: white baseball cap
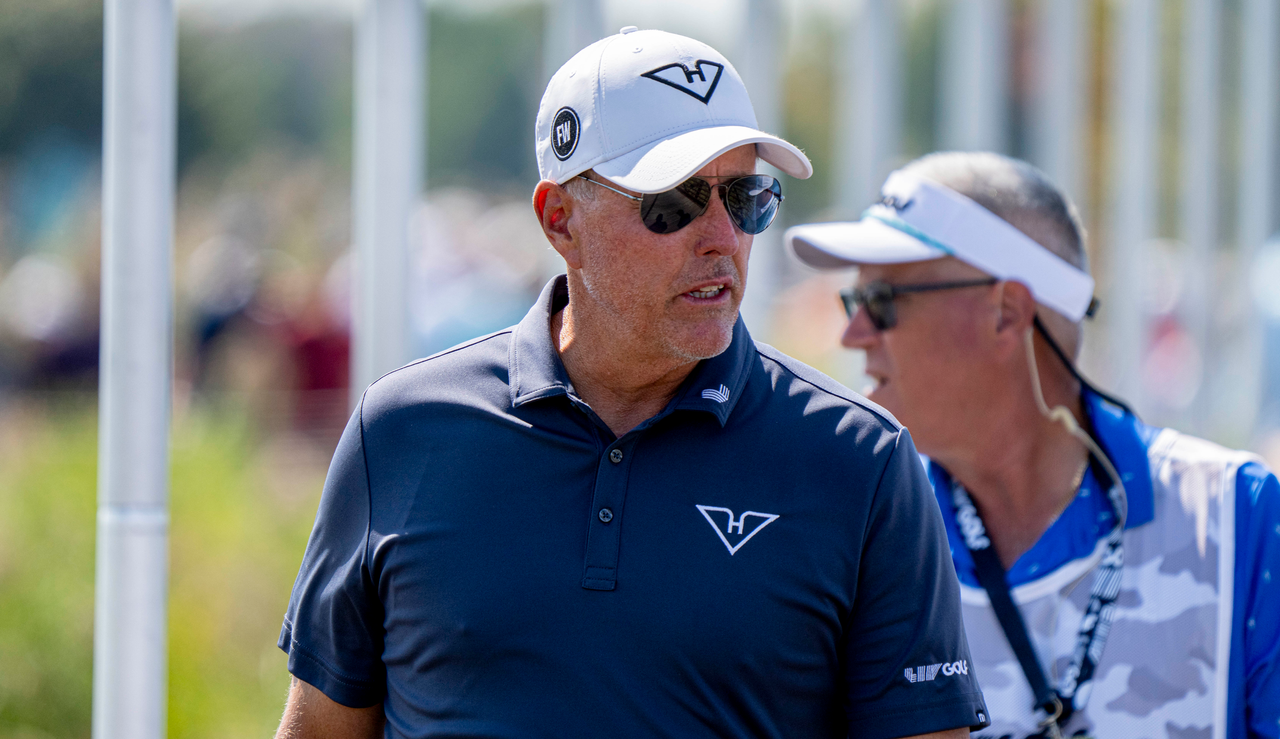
648, 109
918, 220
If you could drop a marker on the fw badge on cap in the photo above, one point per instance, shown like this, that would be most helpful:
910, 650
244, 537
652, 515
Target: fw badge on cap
647, 110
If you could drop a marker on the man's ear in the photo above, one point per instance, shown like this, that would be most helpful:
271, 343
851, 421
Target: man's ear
1017, 310
554, 207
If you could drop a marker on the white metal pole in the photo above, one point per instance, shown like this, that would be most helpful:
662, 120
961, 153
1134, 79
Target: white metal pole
1257, 179
975, 76
1199, 197
759, 62
870, 96
389, 132
139, 120
1061, 103
1133, 207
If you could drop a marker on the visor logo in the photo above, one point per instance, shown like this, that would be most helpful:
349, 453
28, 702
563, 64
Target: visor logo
698, 83
897, 203
564, 133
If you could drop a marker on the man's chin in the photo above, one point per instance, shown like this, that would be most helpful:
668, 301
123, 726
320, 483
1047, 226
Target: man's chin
703, 343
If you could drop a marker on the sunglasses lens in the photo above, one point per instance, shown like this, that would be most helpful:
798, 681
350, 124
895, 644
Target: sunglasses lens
670, 211
877, 300
753, 201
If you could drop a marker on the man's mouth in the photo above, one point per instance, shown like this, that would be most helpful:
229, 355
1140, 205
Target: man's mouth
704, 293
876, 383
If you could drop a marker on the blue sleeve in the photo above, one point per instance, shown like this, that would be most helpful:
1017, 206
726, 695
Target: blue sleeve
1254, 680
906, 654
333, 630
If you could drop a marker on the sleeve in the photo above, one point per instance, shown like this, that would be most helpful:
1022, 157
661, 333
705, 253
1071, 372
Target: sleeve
1255, 645
333, 629
907, 659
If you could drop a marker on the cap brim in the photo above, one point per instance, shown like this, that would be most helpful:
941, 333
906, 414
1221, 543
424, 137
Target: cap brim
666, 163
845, 244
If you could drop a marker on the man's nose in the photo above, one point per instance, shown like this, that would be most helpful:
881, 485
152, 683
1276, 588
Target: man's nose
860, 333
717, 233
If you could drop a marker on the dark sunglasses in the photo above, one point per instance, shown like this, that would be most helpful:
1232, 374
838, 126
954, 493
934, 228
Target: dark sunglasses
877, 298
752, 202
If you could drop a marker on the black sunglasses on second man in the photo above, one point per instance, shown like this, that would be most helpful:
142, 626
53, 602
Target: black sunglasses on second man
751, 201
877, 298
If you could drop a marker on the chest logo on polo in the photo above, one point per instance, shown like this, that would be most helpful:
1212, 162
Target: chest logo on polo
731, 528
719, 394
698, 83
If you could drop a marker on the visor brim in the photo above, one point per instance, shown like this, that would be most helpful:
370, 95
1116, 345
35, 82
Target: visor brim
846, 244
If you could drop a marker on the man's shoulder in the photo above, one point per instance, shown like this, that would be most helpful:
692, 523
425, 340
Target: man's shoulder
470, 371
809, 390
1167, 446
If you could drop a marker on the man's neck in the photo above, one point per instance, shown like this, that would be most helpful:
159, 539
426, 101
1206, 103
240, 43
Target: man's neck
1021, 473
623, 386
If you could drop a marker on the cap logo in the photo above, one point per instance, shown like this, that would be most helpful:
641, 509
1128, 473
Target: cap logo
693, 82
897, 203
564, 133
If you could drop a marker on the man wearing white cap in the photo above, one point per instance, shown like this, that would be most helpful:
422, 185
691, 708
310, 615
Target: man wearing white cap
622, 517
1116, 579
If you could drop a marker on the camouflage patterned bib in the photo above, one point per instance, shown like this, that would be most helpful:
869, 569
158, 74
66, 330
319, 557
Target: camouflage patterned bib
1164, 669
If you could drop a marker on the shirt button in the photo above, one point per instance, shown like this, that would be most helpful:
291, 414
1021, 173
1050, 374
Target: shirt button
615, 456
605, 515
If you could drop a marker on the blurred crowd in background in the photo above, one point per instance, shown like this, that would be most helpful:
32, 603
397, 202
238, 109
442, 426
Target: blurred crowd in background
263, 266
263, 213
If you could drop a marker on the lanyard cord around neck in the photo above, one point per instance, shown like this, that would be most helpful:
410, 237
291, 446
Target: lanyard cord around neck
1073, 692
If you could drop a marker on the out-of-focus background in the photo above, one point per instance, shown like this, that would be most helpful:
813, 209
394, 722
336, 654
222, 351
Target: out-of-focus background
1157, 117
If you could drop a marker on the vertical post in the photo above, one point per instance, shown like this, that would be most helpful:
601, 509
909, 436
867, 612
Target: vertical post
1133, 207
760, 64
870, 99
1058, 144
1257, 180
389, 132
975, 75
569, 27
139, 121
1201, 26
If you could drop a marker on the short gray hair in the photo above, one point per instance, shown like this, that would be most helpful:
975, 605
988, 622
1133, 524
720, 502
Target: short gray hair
1015, 191
579, 189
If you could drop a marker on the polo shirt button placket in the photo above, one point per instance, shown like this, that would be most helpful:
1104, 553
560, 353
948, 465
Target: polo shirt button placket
604, 532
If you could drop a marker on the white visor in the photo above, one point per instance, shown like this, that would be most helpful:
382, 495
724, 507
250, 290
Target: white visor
918, 220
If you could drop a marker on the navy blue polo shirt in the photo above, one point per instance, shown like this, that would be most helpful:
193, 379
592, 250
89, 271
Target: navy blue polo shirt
763, 558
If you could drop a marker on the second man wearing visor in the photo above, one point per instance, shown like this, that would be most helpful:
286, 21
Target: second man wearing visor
1117, 580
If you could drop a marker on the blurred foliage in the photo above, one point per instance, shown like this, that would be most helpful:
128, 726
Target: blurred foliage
284, 81
48, 461
808, 87
486, 81
923, 31
50, 71
241, 512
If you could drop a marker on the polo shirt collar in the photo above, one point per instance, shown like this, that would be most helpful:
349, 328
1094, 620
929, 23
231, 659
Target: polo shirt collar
714, 386
536, 369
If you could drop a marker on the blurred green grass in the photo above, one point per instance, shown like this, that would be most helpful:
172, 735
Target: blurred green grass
242, 503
